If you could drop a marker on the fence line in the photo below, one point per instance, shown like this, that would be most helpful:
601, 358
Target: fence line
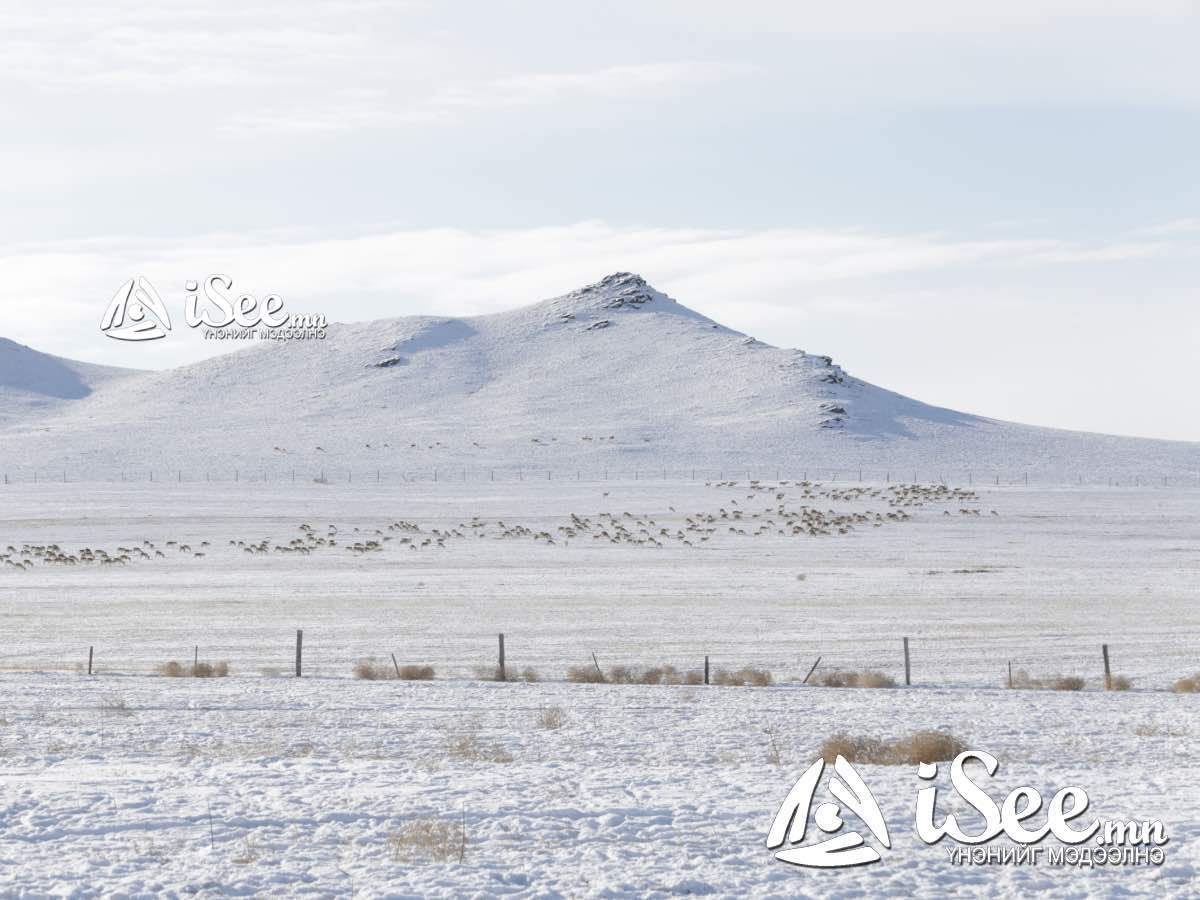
896, 663
519, 474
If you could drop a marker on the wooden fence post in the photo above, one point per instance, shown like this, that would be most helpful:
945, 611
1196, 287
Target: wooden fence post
503, 676
299, 649
706, 670
396, 665
810, 671
90, 651
1107, 670
907, 667
1010, 673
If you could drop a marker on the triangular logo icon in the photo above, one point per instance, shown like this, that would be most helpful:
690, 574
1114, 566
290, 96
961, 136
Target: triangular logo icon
136, 313
841, 850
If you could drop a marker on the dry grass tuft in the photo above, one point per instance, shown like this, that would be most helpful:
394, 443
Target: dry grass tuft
1187, 685
918, 747
470, 748
551, 717
865, 679
493, 673
666, 674
774, 746
747, 675
1022, 680
428, 840
1120, 683
374, 670
585, 675
173, 669
115, 706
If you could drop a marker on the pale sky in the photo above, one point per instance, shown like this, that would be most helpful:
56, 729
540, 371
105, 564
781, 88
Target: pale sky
992, 207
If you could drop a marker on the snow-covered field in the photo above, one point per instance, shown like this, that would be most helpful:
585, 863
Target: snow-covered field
107, 783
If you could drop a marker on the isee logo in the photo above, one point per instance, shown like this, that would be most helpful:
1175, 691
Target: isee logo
1018, 818
136, 313
791, 822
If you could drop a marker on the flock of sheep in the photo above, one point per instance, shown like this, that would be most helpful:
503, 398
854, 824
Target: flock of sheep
784, 508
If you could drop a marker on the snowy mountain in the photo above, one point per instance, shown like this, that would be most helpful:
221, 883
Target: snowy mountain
615, 375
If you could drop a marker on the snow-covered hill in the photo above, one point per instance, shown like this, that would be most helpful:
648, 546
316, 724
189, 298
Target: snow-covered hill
33, 383
615, 375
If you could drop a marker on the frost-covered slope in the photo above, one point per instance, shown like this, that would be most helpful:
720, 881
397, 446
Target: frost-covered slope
615, 375
33, 383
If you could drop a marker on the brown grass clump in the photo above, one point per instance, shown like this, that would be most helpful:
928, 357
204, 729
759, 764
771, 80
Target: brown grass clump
1187, 685
1120, 683
585, 675
1022, 679
375, 670
372, 670
747, 675
416, 673
428, 840
173, 669
470, 748
493, 673
918, 747
664, 674
551, 717
865, 679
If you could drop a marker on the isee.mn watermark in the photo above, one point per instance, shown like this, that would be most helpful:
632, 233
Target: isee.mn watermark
138, 313
1076, 844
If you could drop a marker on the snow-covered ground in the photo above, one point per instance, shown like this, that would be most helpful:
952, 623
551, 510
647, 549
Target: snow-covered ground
106, 783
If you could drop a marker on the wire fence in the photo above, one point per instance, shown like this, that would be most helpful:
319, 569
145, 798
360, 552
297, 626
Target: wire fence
1139, 662
334, 475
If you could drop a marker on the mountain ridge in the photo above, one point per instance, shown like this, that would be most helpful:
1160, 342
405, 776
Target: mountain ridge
615, 374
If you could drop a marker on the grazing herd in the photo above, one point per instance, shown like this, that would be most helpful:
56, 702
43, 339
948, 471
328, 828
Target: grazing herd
785, 509
53, 554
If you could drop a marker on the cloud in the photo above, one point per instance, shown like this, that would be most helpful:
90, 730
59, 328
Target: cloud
464, 271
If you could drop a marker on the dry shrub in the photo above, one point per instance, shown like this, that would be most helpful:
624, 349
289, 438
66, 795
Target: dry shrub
1022, 679
115, 706
918, 747
664, 674
428, 840
1120, 683
622, 675
774, 746
470, 748
747, 675
585, 675
1066, 683
493, 673
551, 717
416, 673
868, 678
374, 670
1187, 685
174, 669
